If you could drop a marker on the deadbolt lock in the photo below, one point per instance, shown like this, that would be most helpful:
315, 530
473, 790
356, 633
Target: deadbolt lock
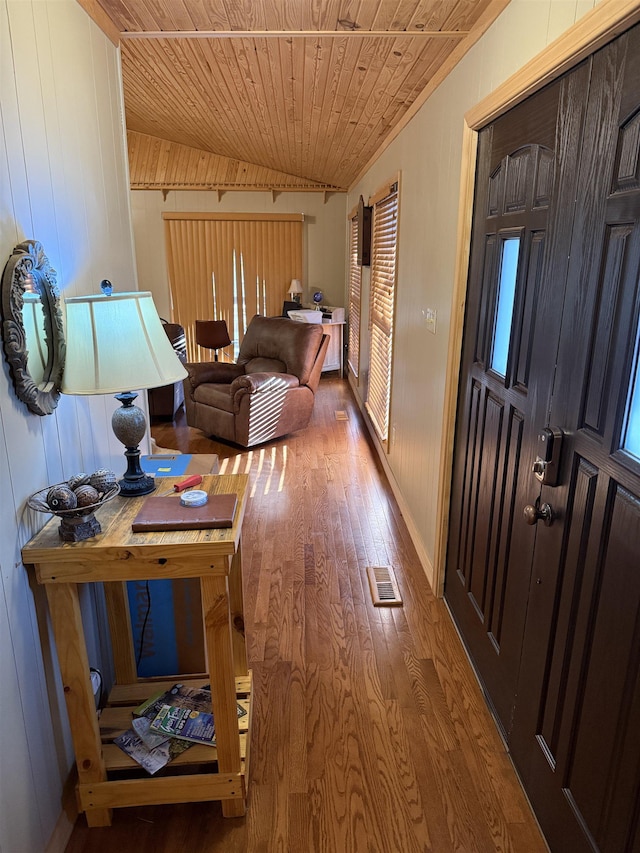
547, 464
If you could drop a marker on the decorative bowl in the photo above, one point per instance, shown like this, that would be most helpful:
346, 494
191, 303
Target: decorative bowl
75, 524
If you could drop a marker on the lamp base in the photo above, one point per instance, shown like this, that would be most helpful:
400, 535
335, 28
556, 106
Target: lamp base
135, 482
129, 426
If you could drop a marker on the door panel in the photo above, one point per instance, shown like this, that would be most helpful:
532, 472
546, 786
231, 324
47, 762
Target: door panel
551, 614
576, 736
523, 180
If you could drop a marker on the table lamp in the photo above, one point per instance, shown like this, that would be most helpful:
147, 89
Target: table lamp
295, 289
115, 342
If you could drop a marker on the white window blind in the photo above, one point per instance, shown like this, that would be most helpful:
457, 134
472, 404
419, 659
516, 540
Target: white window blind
355, 281
383, 285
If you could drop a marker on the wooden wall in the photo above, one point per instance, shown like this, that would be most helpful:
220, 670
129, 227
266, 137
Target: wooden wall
428, 153
63, 181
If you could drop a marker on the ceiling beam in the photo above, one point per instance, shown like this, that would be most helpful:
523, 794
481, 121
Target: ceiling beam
265, 34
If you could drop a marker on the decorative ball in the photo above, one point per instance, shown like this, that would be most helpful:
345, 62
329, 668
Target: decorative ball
61, 497
102, 480
86, 495
77, 480
318, 296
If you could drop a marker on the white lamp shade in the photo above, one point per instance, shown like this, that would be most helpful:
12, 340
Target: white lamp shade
296, 286
116, 343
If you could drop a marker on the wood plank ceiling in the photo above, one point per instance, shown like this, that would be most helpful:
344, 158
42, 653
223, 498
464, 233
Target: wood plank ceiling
277, 94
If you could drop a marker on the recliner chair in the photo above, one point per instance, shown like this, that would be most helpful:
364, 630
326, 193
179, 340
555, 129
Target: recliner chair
268, 392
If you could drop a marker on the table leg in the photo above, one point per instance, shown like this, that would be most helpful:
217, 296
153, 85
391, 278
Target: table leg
237, 615
219, 648
68, 631
124, 659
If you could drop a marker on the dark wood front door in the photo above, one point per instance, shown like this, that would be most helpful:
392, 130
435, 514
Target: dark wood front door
511, 338
550, 613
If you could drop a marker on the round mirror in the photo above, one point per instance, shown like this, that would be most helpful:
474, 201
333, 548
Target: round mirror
32, 328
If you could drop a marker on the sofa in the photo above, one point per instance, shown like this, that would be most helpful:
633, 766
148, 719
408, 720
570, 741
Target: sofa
268, 392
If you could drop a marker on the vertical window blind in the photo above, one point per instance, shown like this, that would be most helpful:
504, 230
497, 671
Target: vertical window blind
230, 267
382, 303
355, 283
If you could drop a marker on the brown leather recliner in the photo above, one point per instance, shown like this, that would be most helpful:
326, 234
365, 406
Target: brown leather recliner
269, 392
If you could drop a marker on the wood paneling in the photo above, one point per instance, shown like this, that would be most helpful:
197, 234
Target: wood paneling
159, 164
300, 94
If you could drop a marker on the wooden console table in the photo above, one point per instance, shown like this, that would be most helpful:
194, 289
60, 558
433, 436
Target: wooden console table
113, 557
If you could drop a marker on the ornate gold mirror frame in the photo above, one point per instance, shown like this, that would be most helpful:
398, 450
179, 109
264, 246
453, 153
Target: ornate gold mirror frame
32, 327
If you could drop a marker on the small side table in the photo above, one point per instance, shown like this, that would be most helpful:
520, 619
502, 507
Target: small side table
334, 357
113, 557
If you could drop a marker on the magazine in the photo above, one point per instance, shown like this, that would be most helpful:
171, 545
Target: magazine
180, 696
135, 742
184, 723
142, 744
142, 727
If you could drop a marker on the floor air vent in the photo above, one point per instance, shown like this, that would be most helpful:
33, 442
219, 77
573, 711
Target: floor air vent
384, 589
341, 415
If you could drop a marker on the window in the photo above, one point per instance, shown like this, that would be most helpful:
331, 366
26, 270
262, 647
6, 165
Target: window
510, 250
631, 441
383, 286
230, 267
355, 282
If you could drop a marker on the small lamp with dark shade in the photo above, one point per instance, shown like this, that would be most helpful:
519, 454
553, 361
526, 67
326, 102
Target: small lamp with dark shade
116, 342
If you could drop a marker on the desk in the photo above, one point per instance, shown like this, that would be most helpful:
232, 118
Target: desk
334, 357
113, 557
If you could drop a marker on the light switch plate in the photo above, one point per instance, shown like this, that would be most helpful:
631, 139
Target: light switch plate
429, 315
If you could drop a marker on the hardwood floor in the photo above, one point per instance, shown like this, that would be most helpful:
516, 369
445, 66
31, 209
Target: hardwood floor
370, 732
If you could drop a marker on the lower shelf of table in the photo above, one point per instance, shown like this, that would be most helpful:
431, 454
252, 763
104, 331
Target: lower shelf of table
191, 776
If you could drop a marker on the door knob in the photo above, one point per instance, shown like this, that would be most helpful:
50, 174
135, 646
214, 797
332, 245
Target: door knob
539, 512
